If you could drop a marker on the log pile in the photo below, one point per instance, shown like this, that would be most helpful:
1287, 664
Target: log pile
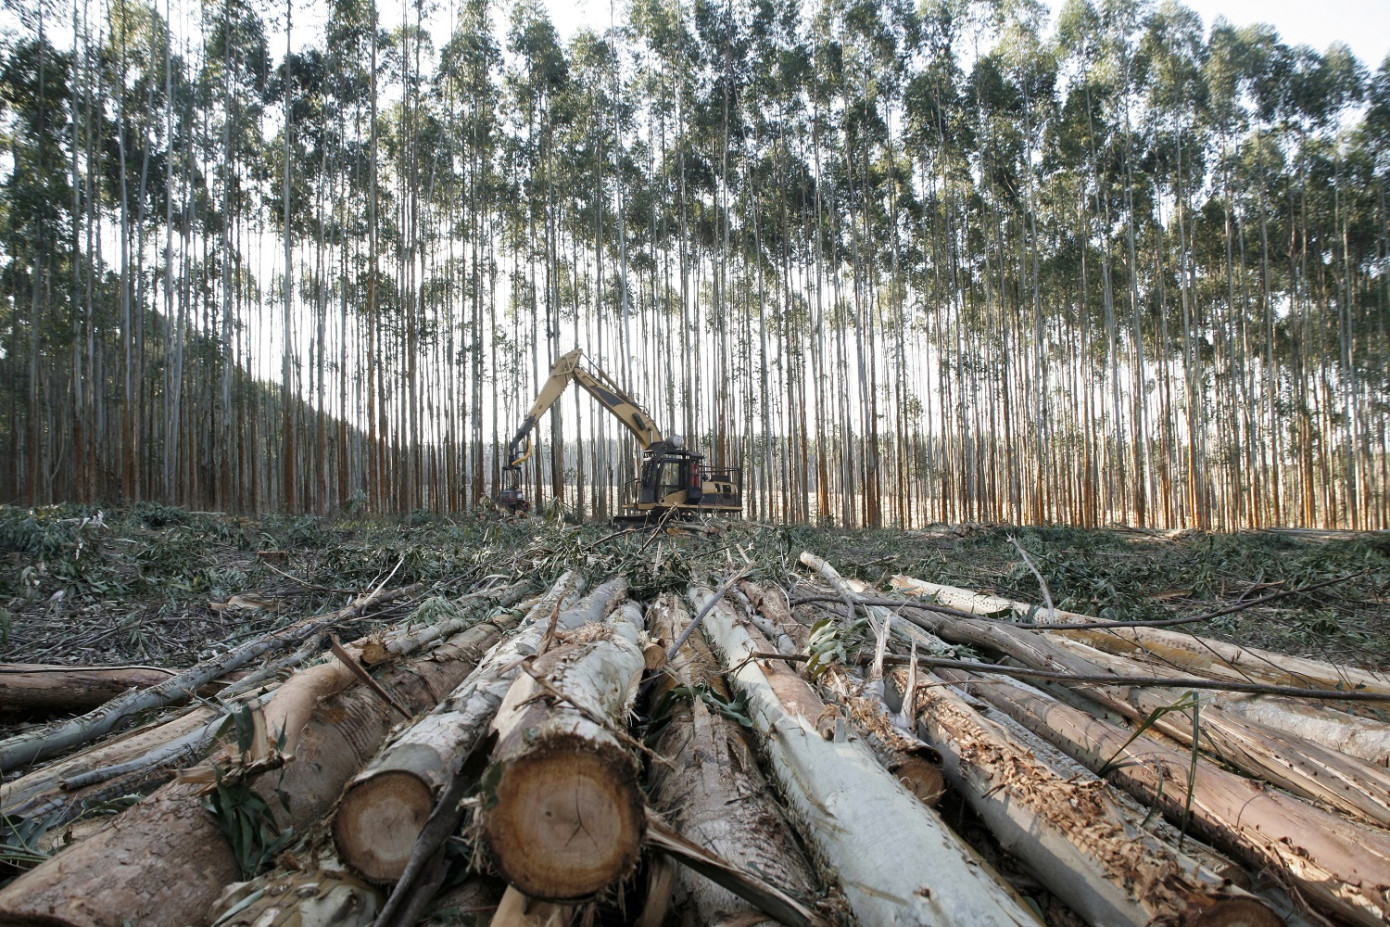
571, 752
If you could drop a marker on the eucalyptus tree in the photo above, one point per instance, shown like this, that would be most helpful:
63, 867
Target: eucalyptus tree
537, 82
467, 79
34, 98
236, 70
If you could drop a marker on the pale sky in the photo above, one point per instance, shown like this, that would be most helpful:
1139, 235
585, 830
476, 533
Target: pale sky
1362, 24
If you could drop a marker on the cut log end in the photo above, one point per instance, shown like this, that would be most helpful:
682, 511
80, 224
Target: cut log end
921, 777
568, 821
378, 823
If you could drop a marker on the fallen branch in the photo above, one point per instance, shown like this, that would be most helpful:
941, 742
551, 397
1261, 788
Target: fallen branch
1106, 679
31, 746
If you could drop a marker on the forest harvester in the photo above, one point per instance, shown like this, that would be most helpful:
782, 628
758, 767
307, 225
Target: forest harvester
672, 481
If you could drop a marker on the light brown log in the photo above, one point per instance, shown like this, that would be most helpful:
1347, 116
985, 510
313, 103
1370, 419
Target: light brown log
386, 805
1341, 867
1069, 834
516, 910
41, 687
164, 861
562, 809
896, 860
713, 792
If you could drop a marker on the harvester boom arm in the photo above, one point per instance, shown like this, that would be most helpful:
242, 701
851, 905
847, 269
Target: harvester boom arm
597, 384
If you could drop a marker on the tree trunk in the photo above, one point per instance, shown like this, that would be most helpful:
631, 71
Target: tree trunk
1199, 654
1069, 834
713, 792
1305, 768
164, 861
1364, 738
1338, 866
897, 862
563, 810
386, 805
43, 688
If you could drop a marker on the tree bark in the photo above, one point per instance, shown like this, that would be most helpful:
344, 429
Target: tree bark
1340, 867
1069, 834
385, 806
164, 861
713, 793
1188, 651
563, 810
897, 862
40, 687
1303, 767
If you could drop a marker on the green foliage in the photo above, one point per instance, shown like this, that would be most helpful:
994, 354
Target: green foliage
242, 815
829, 642
735, 709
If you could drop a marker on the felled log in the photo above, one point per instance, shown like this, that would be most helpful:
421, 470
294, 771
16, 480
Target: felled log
163, 861
386, 805
563, 813
917, 765
1187, 651
42, 687
22, 796
1364, 738
896, 860
1340, 867
1069, 834
42, 743
712, 792
1307, 769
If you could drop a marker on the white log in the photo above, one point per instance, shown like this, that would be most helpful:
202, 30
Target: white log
896, 860
1193, 651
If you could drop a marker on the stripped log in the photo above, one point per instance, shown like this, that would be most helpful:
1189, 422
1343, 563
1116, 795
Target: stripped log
1069, 834
164, 861
42, 743
1184, 650
713, 793
1364, 738
386, 805
897, 861
563, 813
1340, 867
1307, 769
42, 687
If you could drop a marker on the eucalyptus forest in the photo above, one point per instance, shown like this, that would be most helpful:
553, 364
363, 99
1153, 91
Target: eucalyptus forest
958, 261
